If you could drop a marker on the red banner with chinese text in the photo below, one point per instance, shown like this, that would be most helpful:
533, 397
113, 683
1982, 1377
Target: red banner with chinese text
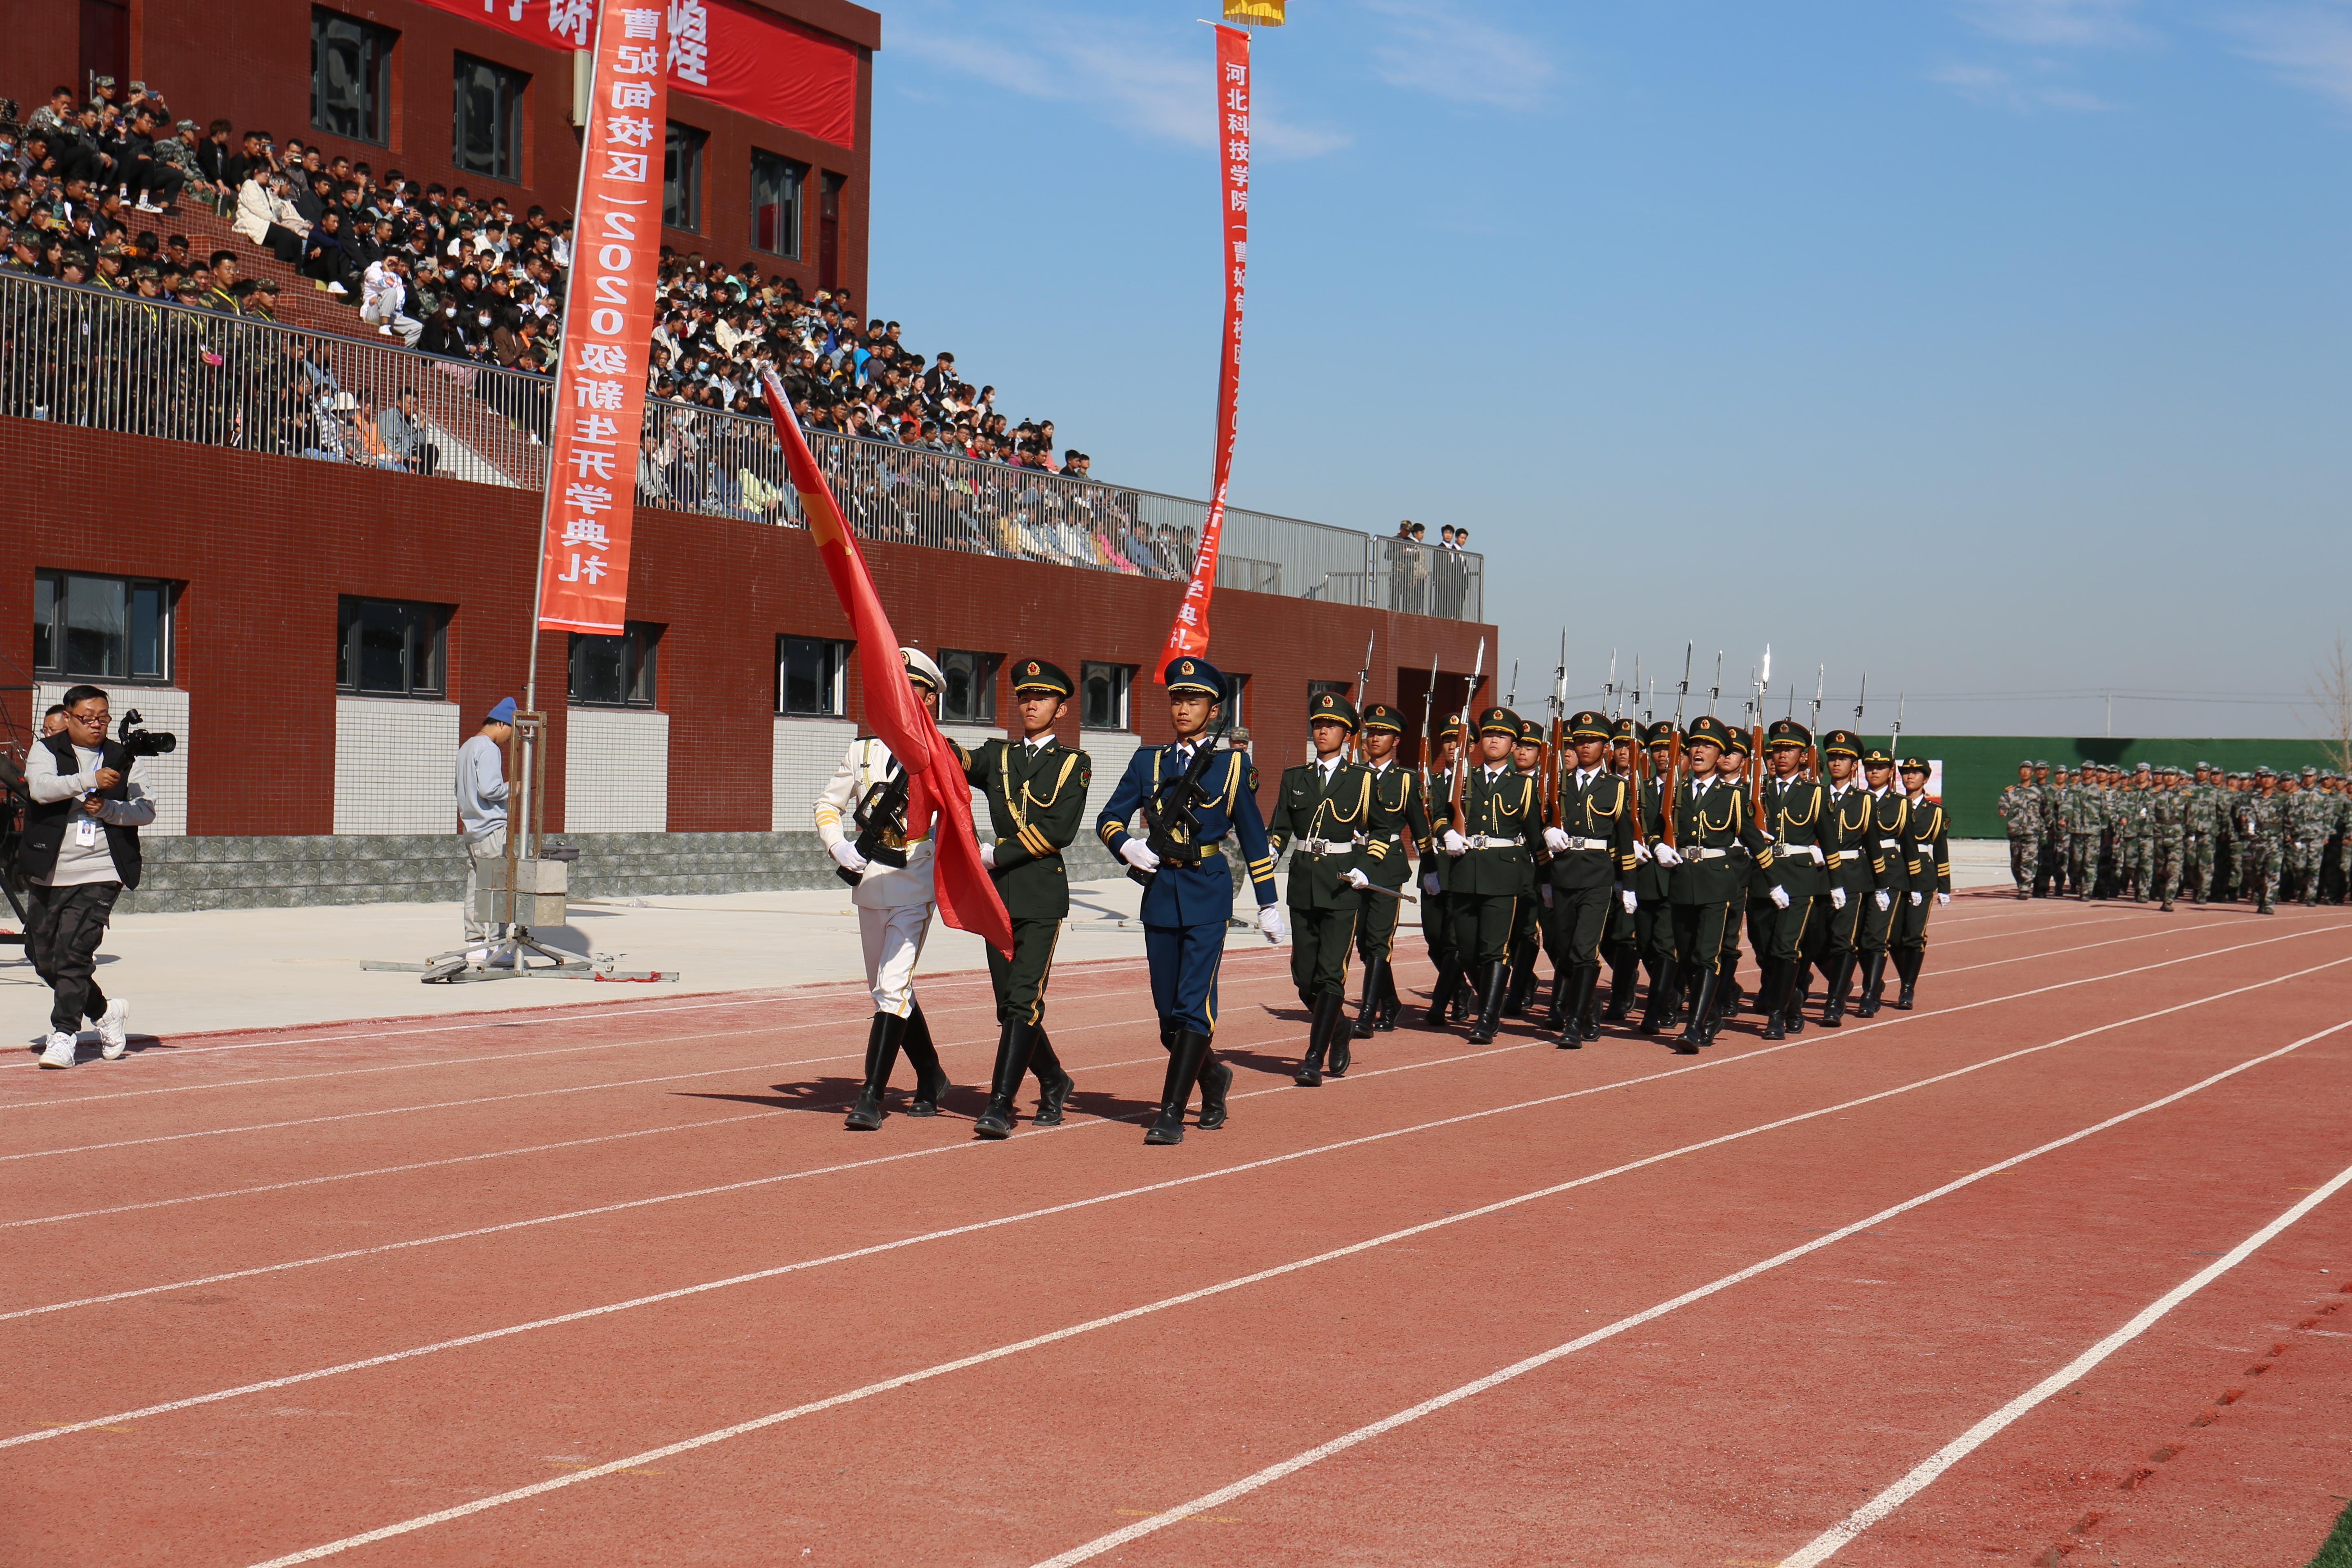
608, 322
1189, 634
734, 54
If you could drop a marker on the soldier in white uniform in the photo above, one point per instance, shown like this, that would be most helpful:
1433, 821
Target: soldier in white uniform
894, 907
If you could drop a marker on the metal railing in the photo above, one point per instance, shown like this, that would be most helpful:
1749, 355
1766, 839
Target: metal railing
101, 360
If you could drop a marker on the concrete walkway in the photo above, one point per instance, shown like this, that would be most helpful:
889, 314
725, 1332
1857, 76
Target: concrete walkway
243, 969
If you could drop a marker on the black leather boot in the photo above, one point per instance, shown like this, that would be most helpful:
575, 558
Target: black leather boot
1833, 1002
1521, 990
1621, 989
1776, 1016
1186, 1057
1587, 1016
1053, 1084
1385, 1020
1013, 1048
1663, 989
1906, 964
882, 1042
931, 1079
1376, 971
1215, 1079
1490, 1005
1321, 1017
1463, 993
1338, 1052
1695, 1034
1874, 975
1442, 996
1581, 981
1792, 1011
1556, 1015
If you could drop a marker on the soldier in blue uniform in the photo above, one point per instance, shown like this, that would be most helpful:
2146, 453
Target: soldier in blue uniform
1188, 894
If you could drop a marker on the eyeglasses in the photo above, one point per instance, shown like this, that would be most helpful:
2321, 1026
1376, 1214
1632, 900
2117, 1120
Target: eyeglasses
98, 720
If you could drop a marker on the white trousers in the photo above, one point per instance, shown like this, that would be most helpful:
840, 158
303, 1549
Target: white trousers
894, 940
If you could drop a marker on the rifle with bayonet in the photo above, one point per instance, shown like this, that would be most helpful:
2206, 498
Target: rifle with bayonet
1763, 679
1363, 681
1675, 754
1814, 751
1462, 741
1171, 822
1551, 761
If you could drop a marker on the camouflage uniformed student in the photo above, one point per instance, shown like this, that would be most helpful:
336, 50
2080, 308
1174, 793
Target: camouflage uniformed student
2021, 809
2052, 868
2261, 831
1322, 816
1037, 790
2168, 821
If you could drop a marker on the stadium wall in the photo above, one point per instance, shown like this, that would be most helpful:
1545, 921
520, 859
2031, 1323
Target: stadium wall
1977, 768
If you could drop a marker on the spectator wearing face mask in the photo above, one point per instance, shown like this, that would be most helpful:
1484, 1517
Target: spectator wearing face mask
445, 334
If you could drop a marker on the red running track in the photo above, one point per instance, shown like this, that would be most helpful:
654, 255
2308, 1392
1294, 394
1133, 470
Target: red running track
2048, 1269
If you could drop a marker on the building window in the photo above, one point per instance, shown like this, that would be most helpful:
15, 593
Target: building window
1103, 695
615, 671
1237, 699
487, 137
682, 178
828, 230
776, 204
971, 696
809, 676
387, 648
350, 78
116, 629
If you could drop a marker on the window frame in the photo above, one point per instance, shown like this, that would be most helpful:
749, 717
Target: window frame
641, 668
507, 159
432, 619
377, 70
166, 597
982, 667
1235, 713
1087, 670
839, 697
798, 172
683, 145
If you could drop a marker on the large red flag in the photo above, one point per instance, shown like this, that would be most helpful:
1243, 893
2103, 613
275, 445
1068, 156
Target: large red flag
967, 896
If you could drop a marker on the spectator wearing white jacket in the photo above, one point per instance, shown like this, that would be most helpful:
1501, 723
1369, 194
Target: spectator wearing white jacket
383, 295
265, 217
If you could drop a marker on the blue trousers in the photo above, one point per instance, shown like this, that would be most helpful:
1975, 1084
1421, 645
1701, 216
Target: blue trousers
1185, 961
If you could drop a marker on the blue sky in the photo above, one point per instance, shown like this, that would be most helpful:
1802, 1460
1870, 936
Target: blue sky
1986, 346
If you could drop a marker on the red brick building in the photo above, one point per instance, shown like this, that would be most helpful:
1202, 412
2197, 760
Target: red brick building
422, 87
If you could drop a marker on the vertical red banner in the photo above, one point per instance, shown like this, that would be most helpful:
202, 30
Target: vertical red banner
1189, 634
608, 317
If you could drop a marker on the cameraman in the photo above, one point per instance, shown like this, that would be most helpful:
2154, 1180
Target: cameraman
79, 851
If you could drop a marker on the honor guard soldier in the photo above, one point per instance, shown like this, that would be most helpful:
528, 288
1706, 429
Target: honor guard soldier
1654, 915
1493, 840
1527, 929
1854, 877
1887, 838
1706, 879
1589, 876
1795, 816
1322, 816
1619, 947
1930, 870
1400, 824
1436, 922
892, 876
1037, 790
1192, 796
1756, 907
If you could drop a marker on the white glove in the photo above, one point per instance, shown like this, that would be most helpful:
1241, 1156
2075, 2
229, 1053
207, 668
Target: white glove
850, 860
1630, 899
1667, 855
1544, 893
1943, 897
1780, 897
1886, 900
988, 854
1432, 886
1453, 843
1138, 854
1641, 852
1269, 920
1356, 877
1918, 899
1837, 898
1556, 840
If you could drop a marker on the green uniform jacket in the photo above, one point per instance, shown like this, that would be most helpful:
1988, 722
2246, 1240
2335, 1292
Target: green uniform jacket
1796, 814
1306, 809
1889, 842
1036, 804
1436, 804
1505, 810
1650, 879
1845, 838
1931, 850
1400, 821
1598, 819
1710, 823
2023, 807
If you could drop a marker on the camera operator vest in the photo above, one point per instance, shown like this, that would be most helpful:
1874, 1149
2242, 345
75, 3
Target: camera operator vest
45, 824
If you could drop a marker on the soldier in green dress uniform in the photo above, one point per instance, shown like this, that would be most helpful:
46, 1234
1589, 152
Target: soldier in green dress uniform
1492, 845
1037, 790
1619, 950
1399, 825
1436, 924
1929, 870
1321, 815
1853, 875
1794, 815
1589, 876
1654, 915
1706, 879
1887, 841
1528, 932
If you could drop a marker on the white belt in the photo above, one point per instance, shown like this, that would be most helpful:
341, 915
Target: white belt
1482, 841
1890, 844
1327, 845
1588, 844
1704, 854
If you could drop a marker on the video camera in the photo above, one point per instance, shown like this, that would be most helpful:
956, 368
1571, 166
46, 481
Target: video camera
141, 743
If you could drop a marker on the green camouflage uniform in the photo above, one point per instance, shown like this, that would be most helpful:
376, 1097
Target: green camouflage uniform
2202, 818
2087, 816
2262, 838
2132, 843
2167, 820
2310, 821
2052, 872
2024, 807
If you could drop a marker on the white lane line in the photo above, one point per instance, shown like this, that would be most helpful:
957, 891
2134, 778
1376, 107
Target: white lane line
1364, 1434
1822, 1545
831, 1170
1826, 1035
1077, 1203
1288, 1467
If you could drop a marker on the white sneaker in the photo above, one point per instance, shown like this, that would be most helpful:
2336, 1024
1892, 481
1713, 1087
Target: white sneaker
60, 1051
114, 1030
146, 206
337, 288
